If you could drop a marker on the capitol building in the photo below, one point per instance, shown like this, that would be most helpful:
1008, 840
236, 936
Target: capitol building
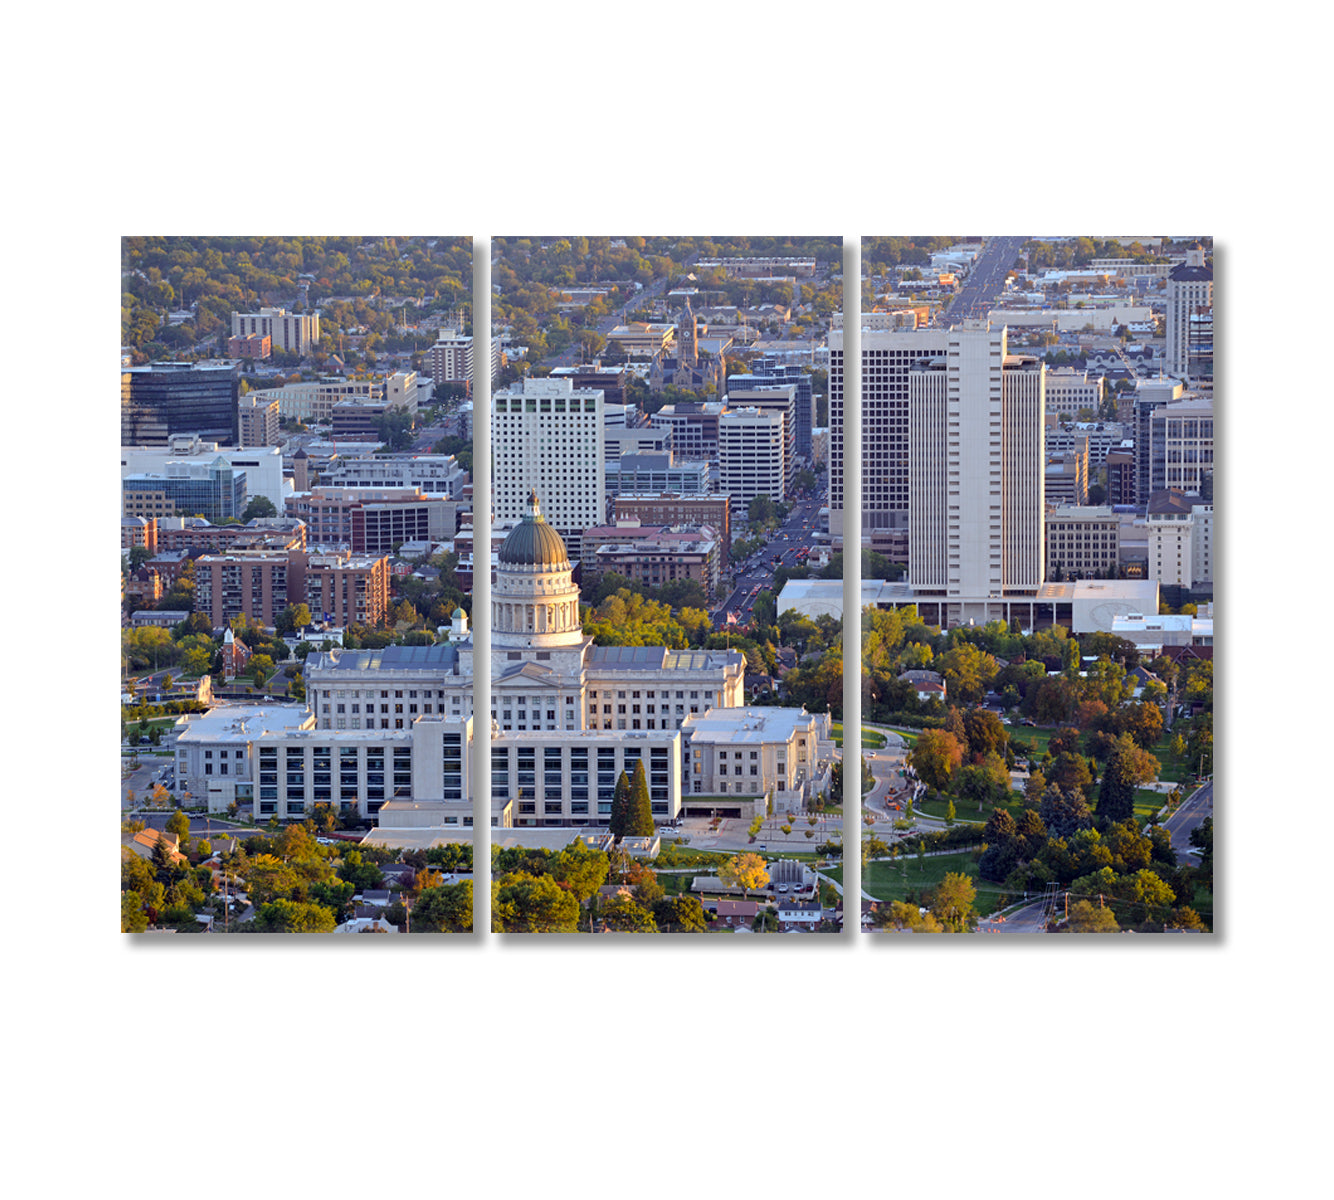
387, 732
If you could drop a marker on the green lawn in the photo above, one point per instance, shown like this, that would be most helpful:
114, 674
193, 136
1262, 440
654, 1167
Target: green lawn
1147, 801
893, 882
871, 739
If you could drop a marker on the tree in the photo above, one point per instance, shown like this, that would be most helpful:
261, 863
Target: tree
1128, 767
292, 618
1088, 917
1064, 812
133, 919
985, 732
179, 824
639, 812
289, 916
259, 506
581, 869
935, 757
525, 903
444, 909
620, 807
624, 914
745, 871
952, 902
680, 914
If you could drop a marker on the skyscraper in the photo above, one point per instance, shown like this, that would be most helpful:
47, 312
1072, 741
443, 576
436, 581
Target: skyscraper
1190, 326
975, 468
887, 357
548, 436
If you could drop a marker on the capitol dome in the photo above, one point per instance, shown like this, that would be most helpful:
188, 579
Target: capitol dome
533, 543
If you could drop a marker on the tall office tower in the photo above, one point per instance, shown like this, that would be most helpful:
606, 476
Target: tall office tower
294, 332
1150, 395
887, 356
781, 400
976, 468
768, 375
1190, 299
547, 436
169, 398
751, 456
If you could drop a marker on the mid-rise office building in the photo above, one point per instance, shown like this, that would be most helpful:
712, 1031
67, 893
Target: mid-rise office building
547, 436
1180, 535
676, 508
656, 473
434, 474
782, 375
261, 465
1067, 475
693, 426
373, 520
295, 333
1070, 392
640, 440
1083, 542
215, 491
781, 399
1150, 395
1181, 445
752, 456
258, 421
167, 399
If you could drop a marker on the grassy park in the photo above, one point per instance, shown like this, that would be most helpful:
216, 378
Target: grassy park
894, 881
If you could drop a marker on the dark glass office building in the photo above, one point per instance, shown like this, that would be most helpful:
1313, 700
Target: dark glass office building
163, 399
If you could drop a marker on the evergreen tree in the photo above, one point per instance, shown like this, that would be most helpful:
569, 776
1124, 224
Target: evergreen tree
639, 815
620, 807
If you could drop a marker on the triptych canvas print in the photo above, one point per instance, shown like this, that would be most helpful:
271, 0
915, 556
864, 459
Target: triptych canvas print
720, 586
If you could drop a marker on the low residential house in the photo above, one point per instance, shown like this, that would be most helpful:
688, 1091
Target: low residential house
377, 897
398, 875
927, 684
799, 914
735, 913
366, 925
146, 841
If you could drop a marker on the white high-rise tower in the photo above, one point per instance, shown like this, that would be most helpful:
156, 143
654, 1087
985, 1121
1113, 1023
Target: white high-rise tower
547, 435
976, 469
1190, 306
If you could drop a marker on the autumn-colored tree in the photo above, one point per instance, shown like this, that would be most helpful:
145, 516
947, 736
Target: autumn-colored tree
745, 871
952, 902
935, 757
1087, 916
